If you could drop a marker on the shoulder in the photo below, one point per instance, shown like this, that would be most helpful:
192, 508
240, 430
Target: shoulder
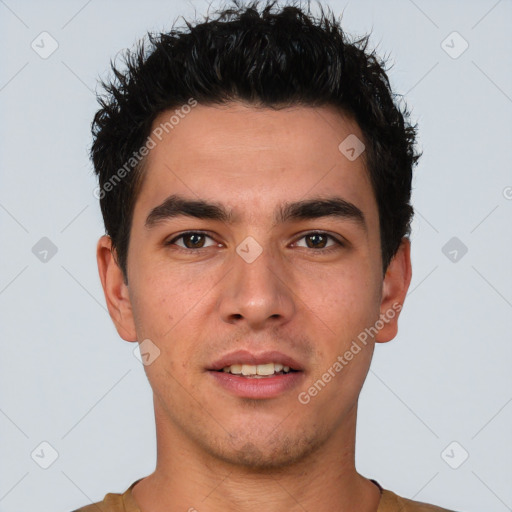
111, 503
391, 502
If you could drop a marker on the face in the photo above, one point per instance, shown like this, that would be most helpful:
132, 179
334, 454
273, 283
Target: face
277, 264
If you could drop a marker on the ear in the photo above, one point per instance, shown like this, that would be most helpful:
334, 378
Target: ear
394, 289
115, 290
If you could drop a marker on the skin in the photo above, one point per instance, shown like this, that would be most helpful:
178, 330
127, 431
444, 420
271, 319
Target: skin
217, 451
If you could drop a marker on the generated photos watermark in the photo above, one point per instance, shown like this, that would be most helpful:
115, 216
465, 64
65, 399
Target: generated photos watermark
305, 397
144, 150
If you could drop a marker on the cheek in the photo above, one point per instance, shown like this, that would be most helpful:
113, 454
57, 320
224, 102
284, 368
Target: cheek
169, 309
345, 299
162, 297
153, 308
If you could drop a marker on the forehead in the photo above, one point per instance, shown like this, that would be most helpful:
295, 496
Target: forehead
254, 157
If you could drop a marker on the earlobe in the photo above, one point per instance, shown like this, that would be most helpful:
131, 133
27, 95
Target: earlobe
394, 289
115, 290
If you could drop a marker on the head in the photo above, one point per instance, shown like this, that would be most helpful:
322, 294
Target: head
278, 142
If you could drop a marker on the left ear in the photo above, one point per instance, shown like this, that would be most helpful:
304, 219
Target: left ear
394, 289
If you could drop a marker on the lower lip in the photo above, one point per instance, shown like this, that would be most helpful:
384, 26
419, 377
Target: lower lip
267, 387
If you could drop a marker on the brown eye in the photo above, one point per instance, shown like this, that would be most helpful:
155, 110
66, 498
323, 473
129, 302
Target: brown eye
316, 241
320, 241
191, 240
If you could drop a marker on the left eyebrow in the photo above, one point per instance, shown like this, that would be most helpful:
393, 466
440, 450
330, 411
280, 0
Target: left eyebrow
175, 206
319, 208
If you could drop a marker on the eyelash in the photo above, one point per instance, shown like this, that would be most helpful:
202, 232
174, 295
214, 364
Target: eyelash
338, 243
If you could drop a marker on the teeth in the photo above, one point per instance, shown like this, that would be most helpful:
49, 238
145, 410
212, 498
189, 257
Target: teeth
235, 368
256, 369
249, 369
265, 369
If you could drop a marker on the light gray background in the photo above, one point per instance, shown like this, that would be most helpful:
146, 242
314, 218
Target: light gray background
68, 379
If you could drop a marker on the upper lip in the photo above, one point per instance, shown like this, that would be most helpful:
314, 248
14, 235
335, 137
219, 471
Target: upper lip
247, 357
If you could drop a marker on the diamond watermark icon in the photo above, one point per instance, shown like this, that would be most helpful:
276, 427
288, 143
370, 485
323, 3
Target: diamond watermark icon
44, 455
44, 250
454, 45
146, 352
454, 455
454, 249
44, 45
351, 147
249, 249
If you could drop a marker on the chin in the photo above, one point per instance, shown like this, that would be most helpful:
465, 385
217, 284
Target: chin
267, 454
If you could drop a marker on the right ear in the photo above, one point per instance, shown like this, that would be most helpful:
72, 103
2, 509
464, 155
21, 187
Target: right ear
115, 290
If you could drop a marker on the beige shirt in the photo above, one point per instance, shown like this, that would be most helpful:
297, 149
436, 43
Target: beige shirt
389, 502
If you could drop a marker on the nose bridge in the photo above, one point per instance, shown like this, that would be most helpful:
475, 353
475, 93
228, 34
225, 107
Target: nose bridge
255, 290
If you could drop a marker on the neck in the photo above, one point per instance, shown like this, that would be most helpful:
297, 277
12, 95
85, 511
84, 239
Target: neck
186, 478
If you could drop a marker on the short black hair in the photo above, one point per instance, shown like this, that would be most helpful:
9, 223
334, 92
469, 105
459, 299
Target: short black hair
266, 55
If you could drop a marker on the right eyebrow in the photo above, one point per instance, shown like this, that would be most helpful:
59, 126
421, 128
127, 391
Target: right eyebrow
176, 205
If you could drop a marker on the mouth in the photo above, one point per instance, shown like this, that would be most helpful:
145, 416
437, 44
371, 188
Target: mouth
257, 376
257, 371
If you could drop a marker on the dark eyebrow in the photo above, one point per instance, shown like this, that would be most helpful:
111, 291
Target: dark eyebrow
321, 207
175, 206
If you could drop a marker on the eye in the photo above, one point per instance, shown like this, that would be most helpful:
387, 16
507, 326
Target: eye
319, 240
192, 240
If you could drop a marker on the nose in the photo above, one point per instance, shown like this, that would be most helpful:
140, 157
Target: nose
258, 293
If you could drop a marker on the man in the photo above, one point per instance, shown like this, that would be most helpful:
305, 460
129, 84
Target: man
255, 179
